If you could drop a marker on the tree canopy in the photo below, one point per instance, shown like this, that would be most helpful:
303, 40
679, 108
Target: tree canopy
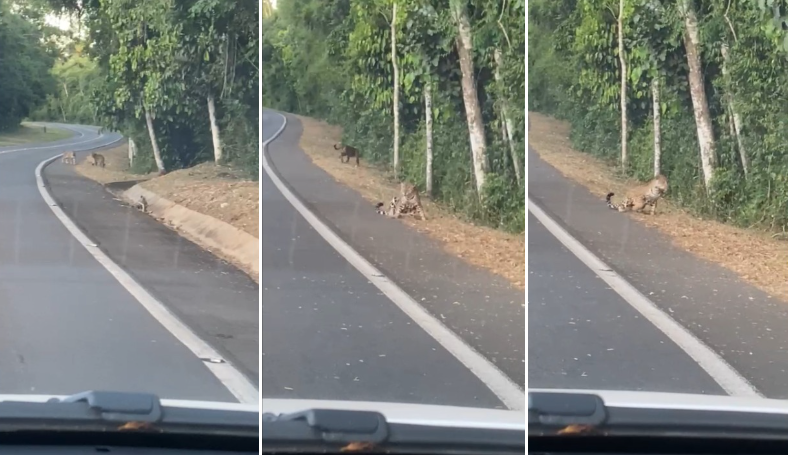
25, 60
179, 77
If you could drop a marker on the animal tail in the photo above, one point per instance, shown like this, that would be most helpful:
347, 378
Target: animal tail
337, 148
609, 202
379, 208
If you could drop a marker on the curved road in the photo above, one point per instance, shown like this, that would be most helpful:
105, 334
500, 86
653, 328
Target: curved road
328, 333
66, 323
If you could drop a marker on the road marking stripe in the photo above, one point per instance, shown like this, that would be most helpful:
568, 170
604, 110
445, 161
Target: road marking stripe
56, 145
725, 375
233, 379
501, 385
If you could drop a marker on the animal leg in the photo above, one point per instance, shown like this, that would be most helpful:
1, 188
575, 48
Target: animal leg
639, 205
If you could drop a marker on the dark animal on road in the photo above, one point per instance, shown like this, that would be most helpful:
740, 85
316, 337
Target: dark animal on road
96, 159
347, 153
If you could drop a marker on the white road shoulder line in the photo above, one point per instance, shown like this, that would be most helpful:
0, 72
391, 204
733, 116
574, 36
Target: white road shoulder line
56, 145
233, 379
727, 377
504, 388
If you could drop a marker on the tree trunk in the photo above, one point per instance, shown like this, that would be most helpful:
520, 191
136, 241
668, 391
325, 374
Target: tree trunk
698, 93
395, 100
132, 151
657, 112
735, 117
623, 64
507, 122
217, 143
470, 98
428, 122
154, 143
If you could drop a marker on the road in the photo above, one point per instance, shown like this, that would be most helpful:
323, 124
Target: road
66, 323
328, 333
685, 320
582, 334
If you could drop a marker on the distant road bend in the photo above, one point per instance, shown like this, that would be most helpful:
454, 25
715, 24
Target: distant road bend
66, 323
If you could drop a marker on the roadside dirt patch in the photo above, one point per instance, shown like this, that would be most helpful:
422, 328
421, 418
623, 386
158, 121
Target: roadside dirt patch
116, 160
220, 192
497, 251
753, 255
217, 191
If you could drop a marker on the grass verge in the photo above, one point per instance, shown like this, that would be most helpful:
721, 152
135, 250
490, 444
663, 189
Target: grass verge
27, 134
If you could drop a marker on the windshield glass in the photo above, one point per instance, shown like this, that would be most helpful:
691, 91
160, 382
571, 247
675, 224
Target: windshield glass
129, 198
671, 115
393, 202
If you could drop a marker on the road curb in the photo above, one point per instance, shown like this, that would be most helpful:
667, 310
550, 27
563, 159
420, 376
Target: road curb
210, 233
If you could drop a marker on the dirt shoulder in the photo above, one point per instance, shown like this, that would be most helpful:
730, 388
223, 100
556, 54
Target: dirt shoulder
219, 192
497, 251
753, 255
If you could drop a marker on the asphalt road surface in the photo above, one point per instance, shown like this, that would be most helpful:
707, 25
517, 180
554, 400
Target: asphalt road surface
583, 335
328, 333
66, 324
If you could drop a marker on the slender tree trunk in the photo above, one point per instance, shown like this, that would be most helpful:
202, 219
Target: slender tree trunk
623, 64
698, 93
154, 143
132, 151
507, 121
428, 123
217, 142
470, 97
62, 104
735, 117
657, 112
396, 85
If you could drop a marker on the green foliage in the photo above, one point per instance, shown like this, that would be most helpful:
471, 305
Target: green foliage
25, 61
573, 72
166, 57
331, 59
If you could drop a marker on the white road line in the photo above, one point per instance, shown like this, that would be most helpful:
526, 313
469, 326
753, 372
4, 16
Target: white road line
56, 145
728, 378
232, 378
504, 388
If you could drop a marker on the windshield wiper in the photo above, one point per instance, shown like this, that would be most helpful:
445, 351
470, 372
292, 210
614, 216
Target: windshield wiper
367, 431
551, 413
121, 411
327, 425
586, 414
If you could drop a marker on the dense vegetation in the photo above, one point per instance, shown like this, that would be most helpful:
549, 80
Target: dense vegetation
456, 75
712, 73
158, 71
25, 59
